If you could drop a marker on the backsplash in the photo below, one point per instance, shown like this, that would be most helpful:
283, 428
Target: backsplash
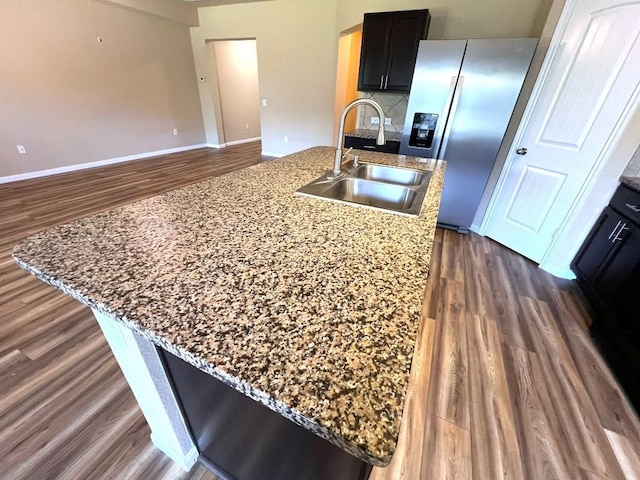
633, 169
394, 106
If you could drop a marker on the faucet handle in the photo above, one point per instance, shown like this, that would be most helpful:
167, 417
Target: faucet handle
356, 159
348, 152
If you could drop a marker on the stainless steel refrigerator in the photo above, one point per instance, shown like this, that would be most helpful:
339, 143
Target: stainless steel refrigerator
462, 98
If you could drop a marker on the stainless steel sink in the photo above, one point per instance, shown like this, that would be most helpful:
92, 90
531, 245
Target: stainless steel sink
391, 189
382, 173
374, 194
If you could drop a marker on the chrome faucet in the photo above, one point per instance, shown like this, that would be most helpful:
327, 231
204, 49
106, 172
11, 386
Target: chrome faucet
379, 141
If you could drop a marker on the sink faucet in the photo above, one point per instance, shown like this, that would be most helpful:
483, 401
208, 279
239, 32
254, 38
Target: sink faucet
379, 141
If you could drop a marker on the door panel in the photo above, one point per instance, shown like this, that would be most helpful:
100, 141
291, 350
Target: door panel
592, 78
587, 84
533, 196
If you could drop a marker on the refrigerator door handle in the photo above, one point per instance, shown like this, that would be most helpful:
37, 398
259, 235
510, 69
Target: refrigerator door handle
440, 126
452, 113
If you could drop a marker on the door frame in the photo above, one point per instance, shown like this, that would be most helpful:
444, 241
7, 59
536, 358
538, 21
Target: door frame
604, 155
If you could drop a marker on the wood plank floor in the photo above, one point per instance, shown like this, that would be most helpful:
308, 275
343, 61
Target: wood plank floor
505, 383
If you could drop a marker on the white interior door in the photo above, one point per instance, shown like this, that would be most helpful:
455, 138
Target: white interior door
575, 108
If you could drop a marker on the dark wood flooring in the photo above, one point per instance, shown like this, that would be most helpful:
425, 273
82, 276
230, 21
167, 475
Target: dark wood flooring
506, 382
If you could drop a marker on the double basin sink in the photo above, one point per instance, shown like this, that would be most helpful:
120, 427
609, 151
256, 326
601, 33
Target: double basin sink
393, 189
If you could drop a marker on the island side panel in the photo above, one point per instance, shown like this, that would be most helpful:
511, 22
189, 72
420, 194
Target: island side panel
240, 439
143, 369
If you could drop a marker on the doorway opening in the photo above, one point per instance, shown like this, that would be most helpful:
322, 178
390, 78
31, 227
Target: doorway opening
236, 65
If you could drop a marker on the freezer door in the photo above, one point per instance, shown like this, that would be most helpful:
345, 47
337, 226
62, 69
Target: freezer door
489, 84
434, 81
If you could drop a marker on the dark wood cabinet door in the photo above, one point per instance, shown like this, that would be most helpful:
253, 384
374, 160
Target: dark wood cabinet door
598, 247
374, 53
389, 48
408, 29
619, 283
608, 270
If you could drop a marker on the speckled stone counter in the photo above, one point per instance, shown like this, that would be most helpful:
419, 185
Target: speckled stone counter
631, 182
307, 306
364, 133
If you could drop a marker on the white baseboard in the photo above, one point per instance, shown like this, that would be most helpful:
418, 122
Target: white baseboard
216, 145
273, 154
475, 228
560, 272
99, 163
246, 140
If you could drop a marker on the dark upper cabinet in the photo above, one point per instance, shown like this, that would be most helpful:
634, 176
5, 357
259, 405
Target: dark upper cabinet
389, 49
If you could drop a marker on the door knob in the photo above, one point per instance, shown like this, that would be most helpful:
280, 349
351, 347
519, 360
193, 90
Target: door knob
522, 151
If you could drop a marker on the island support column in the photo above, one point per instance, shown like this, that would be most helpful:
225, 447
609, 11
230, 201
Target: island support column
143, 370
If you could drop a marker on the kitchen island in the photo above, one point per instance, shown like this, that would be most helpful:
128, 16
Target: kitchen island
308, 307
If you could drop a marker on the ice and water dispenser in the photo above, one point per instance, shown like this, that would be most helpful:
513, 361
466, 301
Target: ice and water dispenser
423, 130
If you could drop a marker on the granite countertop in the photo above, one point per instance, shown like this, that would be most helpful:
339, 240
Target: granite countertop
631, 182
364, 133
307, 306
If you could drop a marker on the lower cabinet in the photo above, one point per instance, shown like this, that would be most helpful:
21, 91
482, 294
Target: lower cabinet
607, 268
603, 262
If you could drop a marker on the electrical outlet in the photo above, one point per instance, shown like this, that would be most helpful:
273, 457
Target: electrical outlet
175, 131
264, 102
375, 120
21, 149
246, 126
387, 121
286, 139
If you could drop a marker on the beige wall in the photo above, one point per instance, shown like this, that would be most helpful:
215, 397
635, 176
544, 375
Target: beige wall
236, 65
70, 99
298, 53
175, 10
